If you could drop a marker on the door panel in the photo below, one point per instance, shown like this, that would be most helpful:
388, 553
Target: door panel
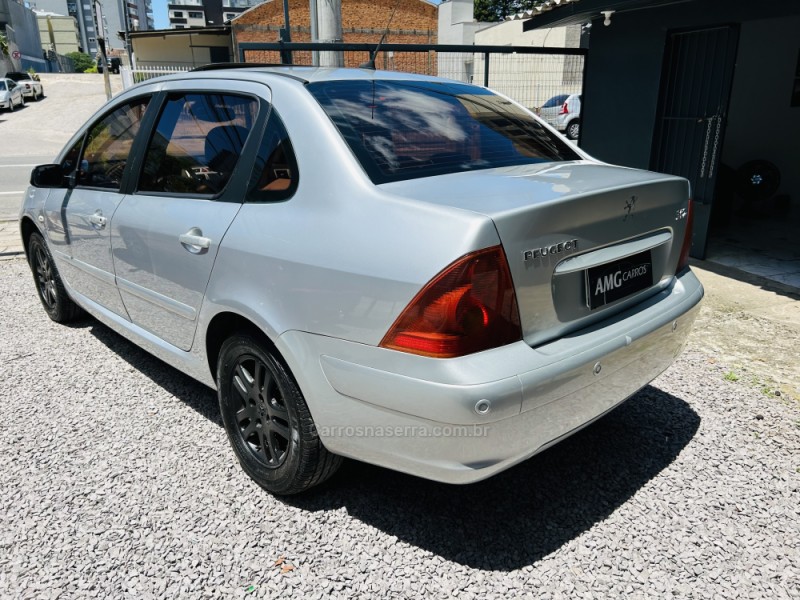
162, 279
91, 204
91, 270
166, 235
695, 89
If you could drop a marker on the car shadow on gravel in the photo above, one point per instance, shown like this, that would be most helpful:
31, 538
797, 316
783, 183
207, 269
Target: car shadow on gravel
521, 515
506, 522
194, 394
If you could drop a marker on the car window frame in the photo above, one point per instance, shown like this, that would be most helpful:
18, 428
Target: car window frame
236, 188
84, 134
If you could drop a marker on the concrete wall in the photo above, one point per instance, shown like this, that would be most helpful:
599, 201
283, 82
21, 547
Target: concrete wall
23, 36
761, 122
65, 33
186, 50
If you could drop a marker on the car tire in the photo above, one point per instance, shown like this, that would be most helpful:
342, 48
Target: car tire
10, 105
256, 393
55, 300
573, 129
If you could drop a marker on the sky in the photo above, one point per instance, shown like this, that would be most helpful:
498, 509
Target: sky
160, 14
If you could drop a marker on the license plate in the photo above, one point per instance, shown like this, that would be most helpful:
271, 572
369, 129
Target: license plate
612, 281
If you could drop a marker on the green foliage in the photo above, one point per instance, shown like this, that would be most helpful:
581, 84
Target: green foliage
83, 62
3, 45
497, 10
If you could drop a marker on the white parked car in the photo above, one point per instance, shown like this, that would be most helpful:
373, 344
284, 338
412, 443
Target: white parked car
10, 94
29, 85
564, 113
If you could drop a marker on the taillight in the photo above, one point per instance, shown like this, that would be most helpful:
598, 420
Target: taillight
564, 110
468, 307
687, 238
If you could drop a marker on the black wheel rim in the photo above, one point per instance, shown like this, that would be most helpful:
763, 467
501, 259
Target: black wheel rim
45, 278
260, 410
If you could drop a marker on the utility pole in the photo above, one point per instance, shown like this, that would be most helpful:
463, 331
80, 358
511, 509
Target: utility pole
101, 41
330, 30
312, 8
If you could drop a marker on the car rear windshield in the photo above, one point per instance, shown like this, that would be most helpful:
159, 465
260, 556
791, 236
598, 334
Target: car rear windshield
555, 101
408, 129
18, 76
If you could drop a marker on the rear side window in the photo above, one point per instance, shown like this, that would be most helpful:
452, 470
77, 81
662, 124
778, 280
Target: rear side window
108, 145
275, 173
197, 143
407, 129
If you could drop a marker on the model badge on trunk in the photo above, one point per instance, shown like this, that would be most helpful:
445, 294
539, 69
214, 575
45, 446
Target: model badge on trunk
544, 251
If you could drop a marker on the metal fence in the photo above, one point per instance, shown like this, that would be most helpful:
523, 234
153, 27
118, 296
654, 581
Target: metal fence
529, 75
132, 76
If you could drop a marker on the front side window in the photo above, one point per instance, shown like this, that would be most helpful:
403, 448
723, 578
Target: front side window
108, 145
197, 143
408, 129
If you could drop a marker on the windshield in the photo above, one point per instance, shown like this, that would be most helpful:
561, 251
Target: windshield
407, 129
17, 76
2, 86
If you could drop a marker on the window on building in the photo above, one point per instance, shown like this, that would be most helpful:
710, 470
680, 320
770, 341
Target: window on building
195, 14
177, 13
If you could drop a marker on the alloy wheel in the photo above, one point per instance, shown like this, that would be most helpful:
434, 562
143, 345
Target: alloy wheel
261, 416
45, 278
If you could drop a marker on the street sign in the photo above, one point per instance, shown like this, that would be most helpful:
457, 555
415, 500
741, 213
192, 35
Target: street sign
16, 54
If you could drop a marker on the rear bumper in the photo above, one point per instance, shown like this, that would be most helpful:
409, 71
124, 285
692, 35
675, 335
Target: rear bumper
462, 420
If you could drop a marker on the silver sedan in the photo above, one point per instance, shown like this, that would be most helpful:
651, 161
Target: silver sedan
400, 269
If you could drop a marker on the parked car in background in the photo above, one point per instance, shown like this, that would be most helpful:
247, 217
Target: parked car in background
114, 64
10, 94
564, 113
397, 268
30, 86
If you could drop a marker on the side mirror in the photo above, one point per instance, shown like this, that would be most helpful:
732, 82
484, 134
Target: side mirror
48, 176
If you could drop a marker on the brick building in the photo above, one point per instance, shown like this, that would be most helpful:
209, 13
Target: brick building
363, 21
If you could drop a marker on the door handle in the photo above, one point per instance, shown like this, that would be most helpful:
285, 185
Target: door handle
98, 220
194, 241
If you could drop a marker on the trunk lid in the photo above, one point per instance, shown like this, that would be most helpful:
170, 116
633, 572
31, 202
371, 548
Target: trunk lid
583, 240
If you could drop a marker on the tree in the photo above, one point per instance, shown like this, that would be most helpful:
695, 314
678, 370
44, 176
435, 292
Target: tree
83, 62
3, 45
497, 10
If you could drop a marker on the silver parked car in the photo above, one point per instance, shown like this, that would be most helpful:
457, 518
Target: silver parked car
400, 269
564, 113
28, 84
10, 94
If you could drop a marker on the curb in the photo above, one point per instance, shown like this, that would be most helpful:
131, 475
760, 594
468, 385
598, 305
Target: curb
10, 242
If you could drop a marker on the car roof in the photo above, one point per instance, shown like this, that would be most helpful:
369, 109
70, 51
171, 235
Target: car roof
304, 74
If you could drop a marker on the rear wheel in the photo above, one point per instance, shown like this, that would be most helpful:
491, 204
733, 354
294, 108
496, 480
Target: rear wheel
573, 130
267, 420
57, 304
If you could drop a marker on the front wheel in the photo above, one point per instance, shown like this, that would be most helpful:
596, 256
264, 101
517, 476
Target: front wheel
267, 420
57, 304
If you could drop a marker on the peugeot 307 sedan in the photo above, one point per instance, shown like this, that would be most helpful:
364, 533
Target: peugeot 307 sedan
401, 269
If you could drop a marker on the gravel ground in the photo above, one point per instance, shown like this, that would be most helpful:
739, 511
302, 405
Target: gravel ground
116, 481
